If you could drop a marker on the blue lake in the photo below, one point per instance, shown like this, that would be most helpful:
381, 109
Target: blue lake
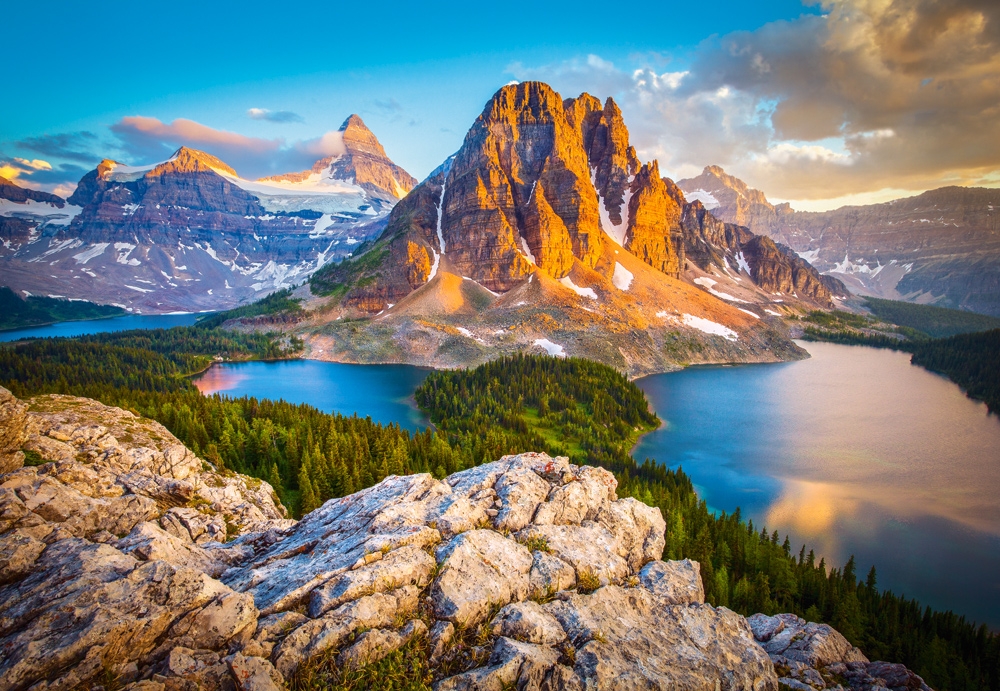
382, 392
93, 326
853, 451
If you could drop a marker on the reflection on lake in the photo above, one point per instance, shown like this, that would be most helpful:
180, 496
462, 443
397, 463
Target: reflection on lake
382, 392
94, 326
854, 451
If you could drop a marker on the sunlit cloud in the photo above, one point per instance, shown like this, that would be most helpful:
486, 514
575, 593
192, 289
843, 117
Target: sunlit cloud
908, 90
144, 140
34, 164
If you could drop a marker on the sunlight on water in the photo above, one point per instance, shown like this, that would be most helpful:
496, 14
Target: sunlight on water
854, 451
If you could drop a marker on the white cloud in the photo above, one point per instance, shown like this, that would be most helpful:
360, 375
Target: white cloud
872, 95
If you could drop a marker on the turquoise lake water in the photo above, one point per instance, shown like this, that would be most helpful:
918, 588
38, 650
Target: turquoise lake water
93, 326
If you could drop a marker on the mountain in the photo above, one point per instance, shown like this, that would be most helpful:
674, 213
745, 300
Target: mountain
364, 162
940, 247
189, 234
546, 231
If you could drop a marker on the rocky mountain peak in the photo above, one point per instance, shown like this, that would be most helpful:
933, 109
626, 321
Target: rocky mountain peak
363, 163
731, 199
188, 160
358, 139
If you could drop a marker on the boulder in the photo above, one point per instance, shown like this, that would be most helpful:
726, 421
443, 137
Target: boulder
589, 548
149, 542
479, 569
586, 492
317, 636
816, 645
528, 622
549, 574
254, 673
514, 664
674, 582
520, 492
374, 645
408, 565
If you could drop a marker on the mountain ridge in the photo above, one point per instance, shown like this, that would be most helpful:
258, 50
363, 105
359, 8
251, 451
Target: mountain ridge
939, 247
189, 234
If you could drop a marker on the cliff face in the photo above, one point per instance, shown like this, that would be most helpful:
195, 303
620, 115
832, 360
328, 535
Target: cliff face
710, 243
190, 234
136, 561
942, 246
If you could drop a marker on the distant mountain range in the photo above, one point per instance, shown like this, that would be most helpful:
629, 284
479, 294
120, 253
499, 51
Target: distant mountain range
940, 247
545, 231
189, 234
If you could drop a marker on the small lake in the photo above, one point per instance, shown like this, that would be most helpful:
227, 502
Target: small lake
853, 451
382, 392
95, 326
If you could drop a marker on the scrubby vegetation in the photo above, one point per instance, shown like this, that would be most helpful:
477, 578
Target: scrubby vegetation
970, 360
16, 313
935, 322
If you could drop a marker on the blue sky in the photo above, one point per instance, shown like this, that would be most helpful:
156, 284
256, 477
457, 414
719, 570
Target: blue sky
419, 74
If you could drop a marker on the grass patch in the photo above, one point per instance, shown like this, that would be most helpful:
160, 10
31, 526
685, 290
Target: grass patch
33, 458
406, 669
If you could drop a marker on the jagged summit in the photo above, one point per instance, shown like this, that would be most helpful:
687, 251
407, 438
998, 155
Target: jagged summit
364, 163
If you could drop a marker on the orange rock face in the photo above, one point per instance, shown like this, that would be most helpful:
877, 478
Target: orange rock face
654, 216
541, 184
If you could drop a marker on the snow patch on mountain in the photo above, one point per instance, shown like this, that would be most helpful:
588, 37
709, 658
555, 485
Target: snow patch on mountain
706, 198
709, 327
88, 254
551, 348
622, 278
708, 284
585, 292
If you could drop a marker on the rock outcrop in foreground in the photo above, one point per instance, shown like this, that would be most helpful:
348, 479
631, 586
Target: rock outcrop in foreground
125, 560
